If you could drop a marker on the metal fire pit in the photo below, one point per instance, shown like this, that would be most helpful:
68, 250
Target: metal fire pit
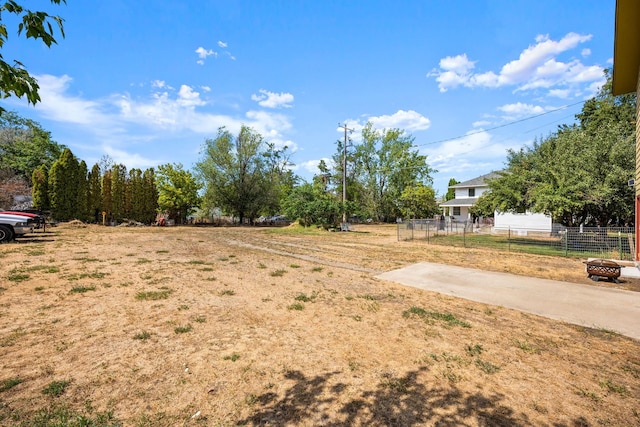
598, 268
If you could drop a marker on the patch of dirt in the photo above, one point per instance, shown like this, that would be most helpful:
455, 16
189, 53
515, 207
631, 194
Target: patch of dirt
173, 326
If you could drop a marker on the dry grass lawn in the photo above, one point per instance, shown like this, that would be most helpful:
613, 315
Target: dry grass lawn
248, 326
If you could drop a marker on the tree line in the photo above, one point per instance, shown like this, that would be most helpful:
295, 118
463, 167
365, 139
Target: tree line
577, 175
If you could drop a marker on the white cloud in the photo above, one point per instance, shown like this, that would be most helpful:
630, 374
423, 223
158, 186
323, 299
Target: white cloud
519, 109
273, 100
204, 53
477, 151
222, 44
57, 105
560, 93
171, 122
481, 123
585, 52
188, 97
409, 121
206, 88
311, 166
537, 67
131, 160
278, 143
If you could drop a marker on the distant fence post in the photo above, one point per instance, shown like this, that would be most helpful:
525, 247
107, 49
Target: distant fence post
620, 244
427, 232
509, 240
566, 242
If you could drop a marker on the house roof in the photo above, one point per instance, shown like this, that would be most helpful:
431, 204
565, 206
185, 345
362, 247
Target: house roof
626, 47
470, 201
476, 182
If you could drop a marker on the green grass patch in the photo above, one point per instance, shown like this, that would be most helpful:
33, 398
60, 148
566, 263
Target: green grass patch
10, 383
162, 251
227, 292
144, 335
317, 269
294, 266
196, 262
153, 295
233, 357
447, 318
11, 338
487, 367
81, 289
18, 277
278, 273
609, 386
183, 329
143, 261
526, 346
56, 388
474, 350
305, 298
57, 415
200, 319
297, 306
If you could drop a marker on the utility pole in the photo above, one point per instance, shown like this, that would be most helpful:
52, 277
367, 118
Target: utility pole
344, 172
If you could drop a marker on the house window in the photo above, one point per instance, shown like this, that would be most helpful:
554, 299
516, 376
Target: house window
472, 192
456, 210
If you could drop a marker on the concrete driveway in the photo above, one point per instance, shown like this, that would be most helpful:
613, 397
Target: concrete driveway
592, 306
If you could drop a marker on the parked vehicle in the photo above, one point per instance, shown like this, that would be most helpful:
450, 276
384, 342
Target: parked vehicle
38, 219
12, 226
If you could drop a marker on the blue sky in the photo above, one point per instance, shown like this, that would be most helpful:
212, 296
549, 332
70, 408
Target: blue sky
146, 82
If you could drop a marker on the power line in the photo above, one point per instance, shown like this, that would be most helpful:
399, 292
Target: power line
500, 126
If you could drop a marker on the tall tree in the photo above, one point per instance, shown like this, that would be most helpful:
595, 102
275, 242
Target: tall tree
451, 192
107, 195
82, 201
177, 191
63, 186
386, 164
237, 173
118, 191
15, 79
418, 201
25, 145
579, 174
94, 205
40, 188
150, 196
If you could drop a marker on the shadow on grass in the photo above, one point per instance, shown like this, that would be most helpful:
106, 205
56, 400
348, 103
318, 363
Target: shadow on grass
396, 401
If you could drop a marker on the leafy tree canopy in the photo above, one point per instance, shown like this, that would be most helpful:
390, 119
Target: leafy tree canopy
580, 173
244, 175
25, 145
14, 78
177, 191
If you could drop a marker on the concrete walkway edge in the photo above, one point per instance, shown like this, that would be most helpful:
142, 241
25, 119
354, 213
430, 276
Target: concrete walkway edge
591, 306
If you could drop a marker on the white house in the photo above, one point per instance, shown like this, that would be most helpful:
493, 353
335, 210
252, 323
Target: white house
467, 194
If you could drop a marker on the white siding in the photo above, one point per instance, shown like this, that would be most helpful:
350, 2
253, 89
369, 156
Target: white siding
463, 193
522, 222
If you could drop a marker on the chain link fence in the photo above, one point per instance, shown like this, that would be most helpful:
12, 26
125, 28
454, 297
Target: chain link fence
596, 242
